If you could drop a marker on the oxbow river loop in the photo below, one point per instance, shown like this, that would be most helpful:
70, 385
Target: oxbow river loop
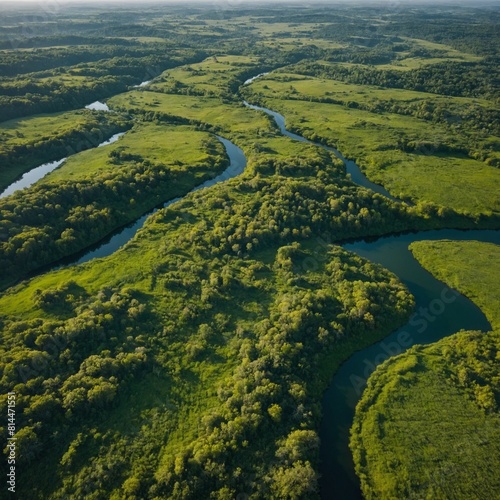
440, 311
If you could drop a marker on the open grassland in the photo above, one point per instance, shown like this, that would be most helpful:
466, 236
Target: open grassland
99, 190
284, 84
439, 401
412, 158
439, 53
443, 53
218, 75
471, 267
231, 118
292, 43
23, 131
255, 132
418, 431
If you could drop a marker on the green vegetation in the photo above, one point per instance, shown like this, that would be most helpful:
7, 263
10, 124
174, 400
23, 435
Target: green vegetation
414, 158
75, 86
439, 401
116, 184
235, 305
471, 267
26, 143
191, 362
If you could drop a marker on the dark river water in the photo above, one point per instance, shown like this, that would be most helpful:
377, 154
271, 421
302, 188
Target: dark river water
440, 311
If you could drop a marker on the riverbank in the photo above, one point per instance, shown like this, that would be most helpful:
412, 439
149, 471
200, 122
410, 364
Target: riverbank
452, 381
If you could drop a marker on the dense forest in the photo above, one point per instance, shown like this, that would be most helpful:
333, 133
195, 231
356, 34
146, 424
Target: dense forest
191, 362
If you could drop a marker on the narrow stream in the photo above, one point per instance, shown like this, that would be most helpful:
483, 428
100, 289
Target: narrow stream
351, 167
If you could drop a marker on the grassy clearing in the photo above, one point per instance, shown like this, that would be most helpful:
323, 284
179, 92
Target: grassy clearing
472, 267
294, 43
26, 143
417, 433
22, 131
217, 75
255, 132
99, 190
230, 118
282, 83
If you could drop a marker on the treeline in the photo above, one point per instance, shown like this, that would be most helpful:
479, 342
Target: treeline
55, 90
447, 78
48, 221
37, 42
18, 62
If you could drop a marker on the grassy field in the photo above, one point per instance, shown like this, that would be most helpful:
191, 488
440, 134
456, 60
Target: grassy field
373, 139
227, 118
217, 75
440, 402
444, 54
171, 145
282, 83
22, 131
471, 267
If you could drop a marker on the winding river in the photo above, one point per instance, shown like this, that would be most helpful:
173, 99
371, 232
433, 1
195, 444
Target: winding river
119, 237
440, 311
351, 167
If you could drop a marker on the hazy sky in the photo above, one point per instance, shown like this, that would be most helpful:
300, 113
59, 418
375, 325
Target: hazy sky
53, 5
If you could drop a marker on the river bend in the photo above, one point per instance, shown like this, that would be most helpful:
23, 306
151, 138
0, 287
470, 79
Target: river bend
440, 311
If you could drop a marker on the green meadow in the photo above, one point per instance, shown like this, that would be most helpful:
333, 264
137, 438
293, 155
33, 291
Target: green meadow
381, 143
26, 143
178, 147
471, 267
